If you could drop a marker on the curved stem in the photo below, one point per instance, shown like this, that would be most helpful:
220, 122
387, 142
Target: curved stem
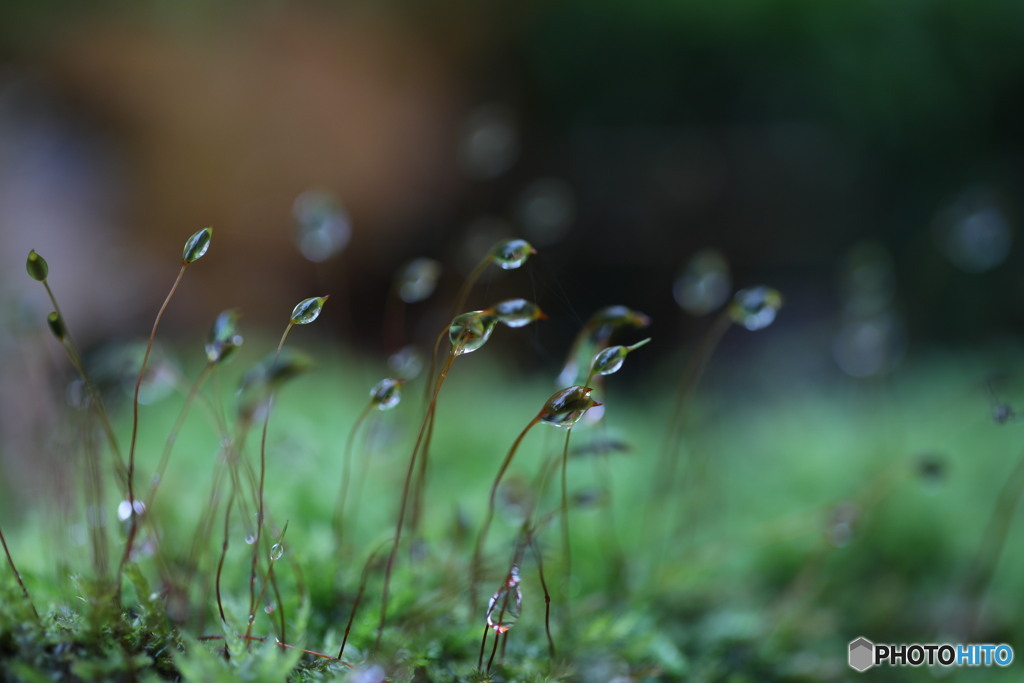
17, 575
346, 465
474, 579
134, 527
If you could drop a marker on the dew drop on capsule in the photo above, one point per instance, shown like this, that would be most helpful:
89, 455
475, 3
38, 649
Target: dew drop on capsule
276, 551
609, 361
417, 279
386, 394
517, 312
511, 254
566, 407
250, 538
308, 310
755, 308
469, 331
506, 605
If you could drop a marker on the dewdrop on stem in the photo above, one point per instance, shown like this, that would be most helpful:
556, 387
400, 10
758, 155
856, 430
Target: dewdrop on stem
506, 605
276, 551
755, 308
511, 254
308, 310
516, 312
610, 360
387, 393
566, 407
469, 331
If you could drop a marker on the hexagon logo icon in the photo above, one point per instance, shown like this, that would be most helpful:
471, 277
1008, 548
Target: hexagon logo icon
862, 654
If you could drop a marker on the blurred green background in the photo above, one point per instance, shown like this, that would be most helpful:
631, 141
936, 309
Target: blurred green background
865, 158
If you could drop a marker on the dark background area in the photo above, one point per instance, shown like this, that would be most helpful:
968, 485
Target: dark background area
785, 134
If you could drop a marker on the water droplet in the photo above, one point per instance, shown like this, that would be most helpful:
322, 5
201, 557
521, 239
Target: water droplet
566, 407
276, 551
250, 538
506, 605
124, 509
469, 331
511, 254
197, 245
387, 393
755, 308
406, 363
610, 360
417, 279
546, 210
704, 283
308, 310
516, 312
222, 340
270, 608
973, 230
594, 336
489, 142
323, 226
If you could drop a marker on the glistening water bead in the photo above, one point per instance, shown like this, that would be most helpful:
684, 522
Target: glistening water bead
506, 605
755, 308
386, 394
511, 254
469, 331
517, 312
566, 407
276, 551
608, 361
308, 310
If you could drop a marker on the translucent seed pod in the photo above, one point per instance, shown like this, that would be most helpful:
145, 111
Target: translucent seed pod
223, 340
308, 310
36, 266
566, 407
608, 361
517, 312
511, 254
387, 393
196, 245
755, 308
56, 324
506, 605
417, 279
469, 331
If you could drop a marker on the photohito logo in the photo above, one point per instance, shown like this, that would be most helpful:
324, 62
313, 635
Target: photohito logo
864, 654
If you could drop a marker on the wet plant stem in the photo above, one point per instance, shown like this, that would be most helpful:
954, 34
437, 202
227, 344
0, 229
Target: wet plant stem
363, 579
263, 589
346, 465
17, 575
389, 567
134, 525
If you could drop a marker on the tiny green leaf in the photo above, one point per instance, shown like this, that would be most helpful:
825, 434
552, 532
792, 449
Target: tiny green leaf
36, 266
197, 245
308, 310
56, 324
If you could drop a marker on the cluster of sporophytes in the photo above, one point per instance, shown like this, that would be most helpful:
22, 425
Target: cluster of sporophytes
154, 606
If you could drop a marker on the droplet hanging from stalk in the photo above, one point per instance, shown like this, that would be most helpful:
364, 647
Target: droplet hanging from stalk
610, 360
566, 407
197, 245
511, 254
516, 312
387, 393
755, 308
308, 310
506, 605
469, 331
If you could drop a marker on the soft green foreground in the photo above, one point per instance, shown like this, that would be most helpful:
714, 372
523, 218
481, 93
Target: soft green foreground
735, 577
